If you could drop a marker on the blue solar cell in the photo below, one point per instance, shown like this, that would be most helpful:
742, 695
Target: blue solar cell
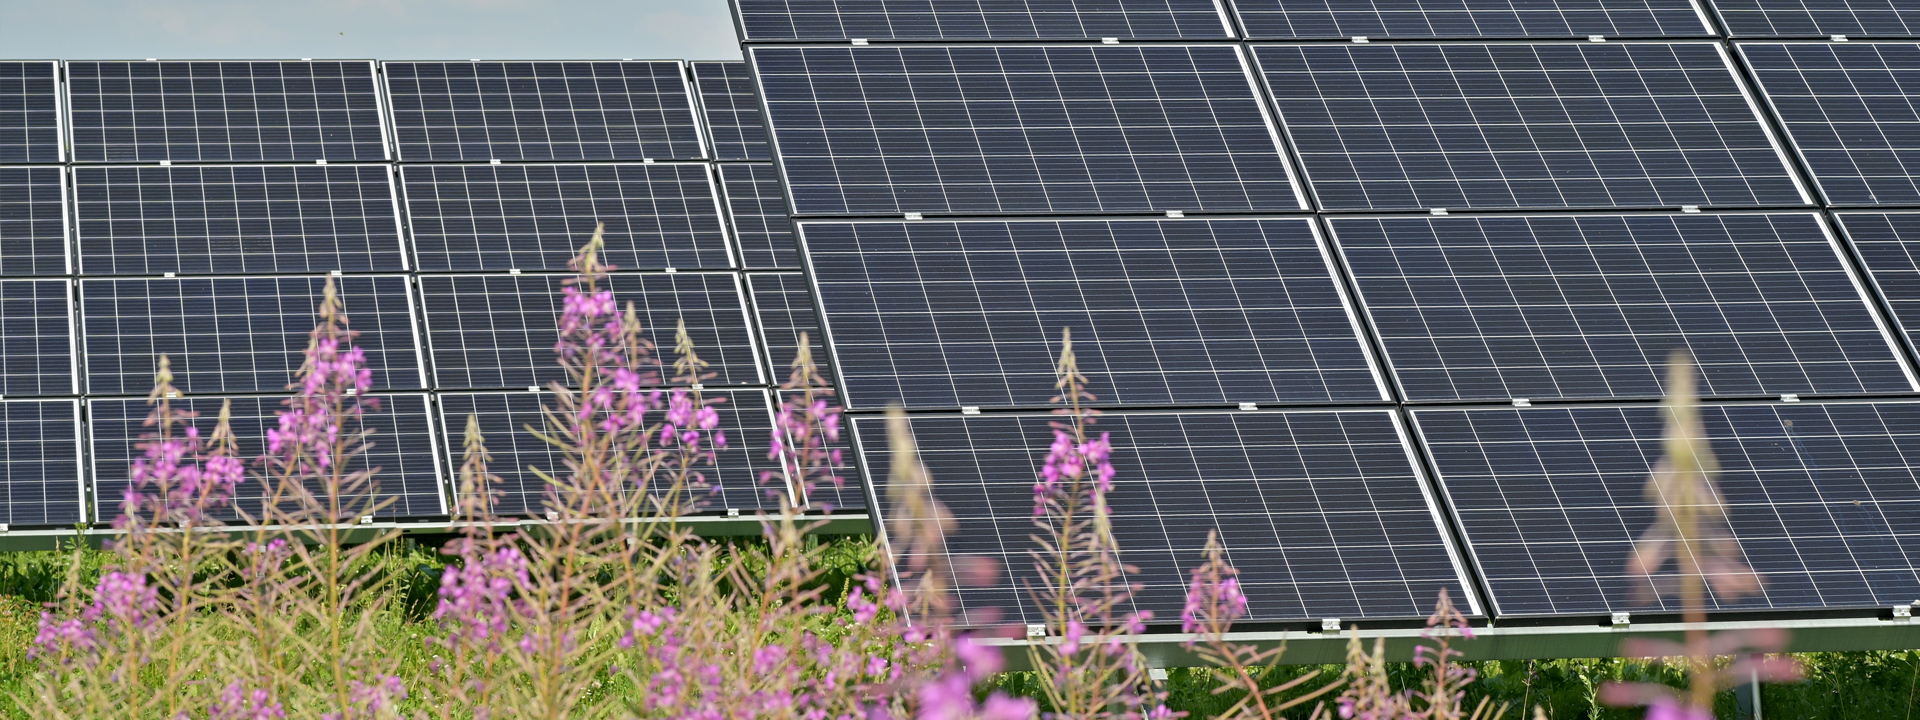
1375, 19
1822, 497
237, 219
955, 314
1590, 306
1324, 513
30, 112
759, 212
224, 111
36, 338
498, 331
1021, 129
1849, 111
776, 20
785, 309
1889, 246
229, 335
40, 480
535, 217
1819, 18
732, 109
542, 111
404, 449
1612, 125
33, 221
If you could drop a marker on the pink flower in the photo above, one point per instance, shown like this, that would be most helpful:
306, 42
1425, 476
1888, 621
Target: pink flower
126, 599
235, 703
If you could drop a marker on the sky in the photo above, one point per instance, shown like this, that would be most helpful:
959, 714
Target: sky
370, 29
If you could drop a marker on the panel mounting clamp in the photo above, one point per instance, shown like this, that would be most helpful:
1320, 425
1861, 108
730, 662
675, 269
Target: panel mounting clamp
1900, 612
1621, 619
1596, 38
320, 161
3, 527
1522, 402
1789, 397
914, 216
1331, 625
513, 271
859, 41
533, 388
1438, 211
1109, 41
1036, 630
1157, 674
164, 163
493, 161
1361, 39
1176, 213
166, 275
646, 161
1689, 208
1249, 406
970, 410
733, 512
1839, 38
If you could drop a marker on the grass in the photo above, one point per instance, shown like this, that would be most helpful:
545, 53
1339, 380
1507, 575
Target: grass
1849, 685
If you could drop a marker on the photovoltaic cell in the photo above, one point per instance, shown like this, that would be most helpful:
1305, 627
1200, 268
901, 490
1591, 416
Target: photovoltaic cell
1822, 498
759, 211
785, 309
237, 219
1819, 18
1021, 129
732, 481
536, 217
40, 463
848, 495
1378, 19
1323, 512
732, 109
403, 448
1525, 126
955, 314
1889, 246
126, 111
231, 335
1849, 110
777, 20
1591, 306
33, 224
542, 111
498, 331
36, 338
29, 112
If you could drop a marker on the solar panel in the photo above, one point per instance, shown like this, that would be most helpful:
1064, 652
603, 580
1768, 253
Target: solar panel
1377, 19
732, 481
36, 338
1615, 125
33, 221
535, 217
1889, 247
1324, 513
849, 495
732, 110
40, 463
404, 449
954, 314
759, 211
1848, 109
1590, 306
1821, 497
1021, 130
498, 331
1819, 18
237, 219
784, 308
232, 335
542, 111
790, 20
30, 112
129, 111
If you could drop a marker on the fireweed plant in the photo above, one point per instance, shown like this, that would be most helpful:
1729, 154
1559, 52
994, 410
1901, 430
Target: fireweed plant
602, 602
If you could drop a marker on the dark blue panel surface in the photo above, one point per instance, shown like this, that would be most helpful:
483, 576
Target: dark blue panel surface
1819, 18
734, 126
29, 112
785, 309
403, 449
1322, 512
40, 463
498, 331
1823, 497
1849, 110
1376, 19
1889, 245
759, 212
536, 217
226, 335
36, 338
731, 482
1591, 306
849, 495
943, 314
1524, 125
1020, 129
237, 219
542, 111
219, 111
33, 227
980, 19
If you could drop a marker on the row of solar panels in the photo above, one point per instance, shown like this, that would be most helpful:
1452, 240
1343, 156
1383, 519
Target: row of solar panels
827, 20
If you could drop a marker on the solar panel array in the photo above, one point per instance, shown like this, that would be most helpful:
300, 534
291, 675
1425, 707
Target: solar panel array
1414, 266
